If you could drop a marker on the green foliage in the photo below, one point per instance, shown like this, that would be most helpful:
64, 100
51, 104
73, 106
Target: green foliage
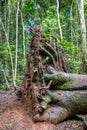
3, 51
49, 24
72, 53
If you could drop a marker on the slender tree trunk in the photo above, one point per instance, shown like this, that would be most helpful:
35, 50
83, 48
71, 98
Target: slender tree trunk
5, 13
16, 55
7, 26
12, 65
8, 22
23, 35
71, 20
77, 33
83, 32
59, 25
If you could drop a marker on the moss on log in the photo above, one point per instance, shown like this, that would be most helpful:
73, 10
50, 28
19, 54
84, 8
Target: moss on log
66, 81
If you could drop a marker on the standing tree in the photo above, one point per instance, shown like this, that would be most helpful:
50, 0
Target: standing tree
16, 56
23, 33
59, 25
83, 33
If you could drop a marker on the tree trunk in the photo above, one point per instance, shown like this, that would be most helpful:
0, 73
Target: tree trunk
16, 50
8, 19
66, 81
83, 34
82, 22
23, 33
59, 26
64, 105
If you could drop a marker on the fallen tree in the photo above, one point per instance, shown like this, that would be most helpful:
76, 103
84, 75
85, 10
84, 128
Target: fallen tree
62, 105
48, 72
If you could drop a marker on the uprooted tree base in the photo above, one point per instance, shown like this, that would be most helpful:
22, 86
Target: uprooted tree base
47, 74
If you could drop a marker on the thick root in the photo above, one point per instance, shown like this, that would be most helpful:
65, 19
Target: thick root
53, 114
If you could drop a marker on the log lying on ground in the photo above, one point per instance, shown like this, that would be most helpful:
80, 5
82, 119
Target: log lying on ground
66, 81
64, 105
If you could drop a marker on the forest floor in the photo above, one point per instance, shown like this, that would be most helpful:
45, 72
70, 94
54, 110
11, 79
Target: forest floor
14, 116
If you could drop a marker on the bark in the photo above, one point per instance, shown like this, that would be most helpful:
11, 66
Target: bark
8, 19
23, 31
82, 22
59, 25
16, 51
68, 103
71, 21
66, 81
83, 34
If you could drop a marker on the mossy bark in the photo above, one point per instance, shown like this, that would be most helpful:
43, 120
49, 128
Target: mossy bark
63, 105
66, 81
